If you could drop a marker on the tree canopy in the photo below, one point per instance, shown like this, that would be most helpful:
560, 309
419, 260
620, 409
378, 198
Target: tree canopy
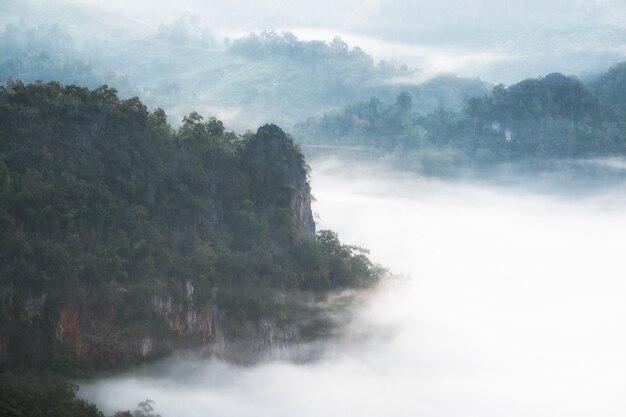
104, 206
534, 120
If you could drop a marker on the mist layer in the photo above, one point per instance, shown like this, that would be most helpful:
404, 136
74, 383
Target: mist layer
511, 304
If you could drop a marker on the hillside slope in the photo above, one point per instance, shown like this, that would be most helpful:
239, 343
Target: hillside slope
124, 240
533, 121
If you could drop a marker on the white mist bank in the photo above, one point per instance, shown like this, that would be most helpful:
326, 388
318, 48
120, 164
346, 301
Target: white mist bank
513, 306
501, 41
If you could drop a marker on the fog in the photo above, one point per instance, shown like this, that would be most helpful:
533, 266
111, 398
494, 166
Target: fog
500, 41
510, 302
182, 56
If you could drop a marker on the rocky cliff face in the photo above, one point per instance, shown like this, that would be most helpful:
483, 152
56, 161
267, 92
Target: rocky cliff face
106, 342
124, 239
276, 160
41, 325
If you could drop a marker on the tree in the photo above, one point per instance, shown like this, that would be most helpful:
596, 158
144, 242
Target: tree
145, 409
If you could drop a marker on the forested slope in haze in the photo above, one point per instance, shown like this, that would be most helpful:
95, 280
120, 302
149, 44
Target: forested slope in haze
124, 239
535, 120
265, 76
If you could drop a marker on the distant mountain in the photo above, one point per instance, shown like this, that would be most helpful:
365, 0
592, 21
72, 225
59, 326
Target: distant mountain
517, 39
534, 120
610, 88
500, 41
259, 77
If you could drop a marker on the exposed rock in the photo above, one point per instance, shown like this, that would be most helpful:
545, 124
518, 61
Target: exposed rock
68, 330
274, 158
33, 306
147, 320
211, 331
146, 346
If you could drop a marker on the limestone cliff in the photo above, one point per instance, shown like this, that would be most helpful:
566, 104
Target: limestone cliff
159, 320
83, 336
124, 239
274, 160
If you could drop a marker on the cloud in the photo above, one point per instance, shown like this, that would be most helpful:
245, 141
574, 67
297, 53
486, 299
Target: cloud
500, 41
430, 60
513, 306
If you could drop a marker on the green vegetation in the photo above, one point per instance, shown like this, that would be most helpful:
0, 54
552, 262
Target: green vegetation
33, 396
47, 52
534, 120
144, 409
610, 89
265, 76
124, 238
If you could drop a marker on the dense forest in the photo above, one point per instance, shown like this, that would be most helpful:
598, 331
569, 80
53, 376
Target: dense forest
158, 240
124, 239
31, 395
264, 76
534, 120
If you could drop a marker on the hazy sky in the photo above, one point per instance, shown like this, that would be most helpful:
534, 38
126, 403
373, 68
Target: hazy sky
514, 306
500, 40
354, 14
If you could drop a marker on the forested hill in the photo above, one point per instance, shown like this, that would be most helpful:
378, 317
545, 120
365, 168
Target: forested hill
534, 120
257, 77
124, 239
263, 76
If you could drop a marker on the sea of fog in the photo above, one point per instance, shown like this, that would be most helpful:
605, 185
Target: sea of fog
511, 302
